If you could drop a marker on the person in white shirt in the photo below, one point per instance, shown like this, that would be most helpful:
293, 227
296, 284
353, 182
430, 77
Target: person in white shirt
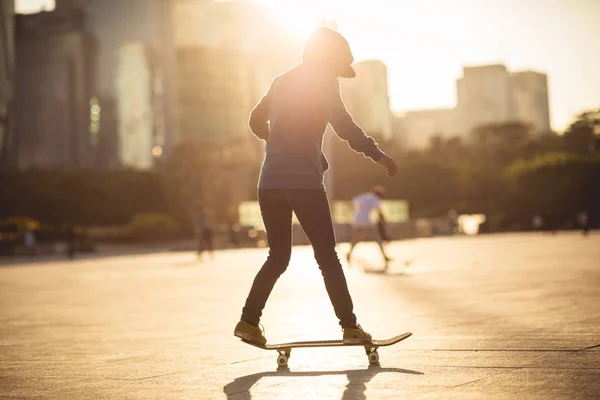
363, 206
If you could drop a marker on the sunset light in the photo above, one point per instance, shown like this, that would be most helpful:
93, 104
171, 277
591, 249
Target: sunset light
308, 199
299, 17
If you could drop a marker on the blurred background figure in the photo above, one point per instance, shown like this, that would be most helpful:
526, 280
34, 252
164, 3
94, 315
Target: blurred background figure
362, 225
204, 230
537, 222
233, 233
70, 237
30, 242
582, 220
453, 222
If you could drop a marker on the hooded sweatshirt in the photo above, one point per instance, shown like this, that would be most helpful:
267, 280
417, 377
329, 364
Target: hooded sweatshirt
292, 118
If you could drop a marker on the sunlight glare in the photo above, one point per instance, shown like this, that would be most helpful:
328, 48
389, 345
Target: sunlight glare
300, 18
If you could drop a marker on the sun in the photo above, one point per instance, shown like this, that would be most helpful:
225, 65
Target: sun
299, 17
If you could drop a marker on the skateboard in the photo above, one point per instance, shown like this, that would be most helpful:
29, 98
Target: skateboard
285, 349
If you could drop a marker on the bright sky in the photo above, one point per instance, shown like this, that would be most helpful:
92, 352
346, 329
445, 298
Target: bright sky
30, 6
425, 43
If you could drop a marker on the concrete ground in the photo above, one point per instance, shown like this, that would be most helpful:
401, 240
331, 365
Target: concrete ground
513, 316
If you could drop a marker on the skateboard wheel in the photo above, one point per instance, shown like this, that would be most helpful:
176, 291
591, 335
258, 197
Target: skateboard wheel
282, 360
374, 357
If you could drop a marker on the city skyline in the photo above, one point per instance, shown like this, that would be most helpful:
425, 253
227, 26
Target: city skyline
425, 59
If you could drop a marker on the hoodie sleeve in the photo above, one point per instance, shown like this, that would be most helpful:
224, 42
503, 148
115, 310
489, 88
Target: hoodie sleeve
260, 115
344, 126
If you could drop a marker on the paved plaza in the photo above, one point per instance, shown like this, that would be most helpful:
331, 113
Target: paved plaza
509, 316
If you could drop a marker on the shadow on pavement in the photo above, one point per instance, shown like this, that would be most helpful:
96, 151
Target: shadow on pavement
239, 389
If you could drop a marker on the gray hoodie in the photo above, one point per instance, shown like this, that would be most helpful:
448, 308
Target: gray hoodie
292, 117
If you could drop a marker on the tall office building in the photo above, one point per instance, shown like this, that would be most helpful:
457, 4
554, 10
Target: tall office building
136, 116
227, 54
213, 96
55, 60
530, 99
7, 75
173, 30
114, 24
492, 94
483, 96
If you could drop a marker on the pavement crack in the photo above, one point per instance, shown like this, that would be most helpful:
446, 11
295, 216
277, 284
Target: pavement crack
123, 359
591, 347
509, 367
472, 366
249, 359
515, 350
150, 377
468, 383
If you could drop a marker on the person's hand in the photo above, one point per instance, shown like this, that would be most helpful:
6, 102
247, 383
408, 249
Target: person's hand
389, 164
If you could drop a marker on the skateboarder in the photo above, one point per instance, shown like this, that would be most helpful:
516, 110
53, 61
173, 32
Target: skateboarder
363, 205
292, 118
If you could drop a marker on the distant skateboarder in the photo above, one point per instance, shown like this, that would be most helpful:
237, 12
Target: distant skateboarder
362, 225
292, 118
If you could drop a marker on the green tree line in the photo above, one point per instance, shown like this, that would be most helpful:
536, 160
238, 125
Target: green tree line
505, 171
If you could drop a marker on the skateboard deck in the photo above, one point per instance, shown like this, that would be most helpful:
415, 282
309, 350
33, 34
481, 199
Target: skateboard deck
285, 349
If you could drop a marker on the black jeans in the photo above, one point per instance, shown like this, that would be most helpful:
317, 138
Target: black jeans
312, 210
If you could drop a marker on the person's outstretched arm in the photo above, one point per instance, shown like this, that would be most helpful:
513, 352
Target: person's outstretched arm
259, 117
348, 130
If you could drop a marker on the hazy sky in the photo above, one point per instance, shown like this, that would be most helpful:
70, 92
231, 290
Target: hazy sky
426, 42
28, 6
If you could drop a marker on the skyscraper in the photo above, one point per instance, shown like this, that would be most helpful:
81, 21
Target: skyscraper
483, 96
7, 73
136, 116
113, 24
227, 54
55, 57
492, 94
530, 99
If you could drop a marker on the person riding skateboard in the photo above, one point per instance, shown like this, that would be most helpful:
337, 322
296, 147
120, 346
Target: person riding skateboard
363, 205
292, 118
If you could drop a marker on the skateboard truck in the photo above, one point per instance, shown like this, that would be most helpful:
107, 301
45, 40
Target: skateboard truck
283, 357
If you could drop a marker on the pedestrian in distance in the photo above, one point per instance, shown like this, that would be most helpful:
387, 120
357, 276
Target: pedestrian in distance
71, 241
363, 225
583, 221
292, 118
30, 242
204, 229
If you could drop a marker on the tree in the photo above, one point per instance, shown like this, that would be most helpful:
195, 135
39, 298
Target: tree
211, 175
557, 186
583, 135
